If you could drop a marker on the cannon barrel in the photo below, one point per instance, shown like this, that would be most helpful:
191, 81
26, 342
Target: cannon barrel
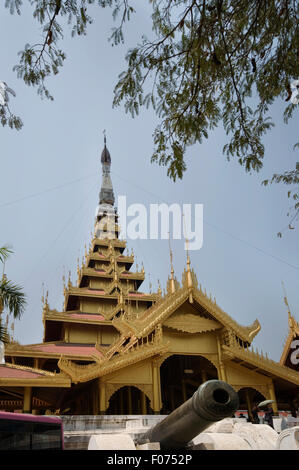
213, 400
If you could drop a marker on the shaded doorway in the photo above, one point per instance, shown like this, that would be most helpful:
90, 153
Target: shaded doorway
248, 398
181, 375
128, 400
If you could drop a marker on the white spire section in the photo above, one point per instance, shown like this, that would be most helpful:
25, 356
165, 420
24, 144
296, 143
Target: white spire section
106, 213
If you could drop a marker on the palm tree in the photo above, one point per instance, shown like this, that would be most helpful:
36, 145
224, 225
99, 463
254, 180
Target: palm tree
11, 295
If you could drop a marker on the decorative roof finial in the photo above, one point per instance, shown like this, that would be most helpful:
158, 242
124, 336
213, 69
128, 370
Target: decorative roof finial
172, 284
104, 132
291, 319
43, 293
189, 276
159, 289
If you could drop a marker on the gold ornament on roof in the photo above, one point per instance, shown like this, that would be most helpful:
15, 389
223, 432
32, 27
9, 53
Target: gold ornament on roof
189, 280
69, 284
159, 289
172, 283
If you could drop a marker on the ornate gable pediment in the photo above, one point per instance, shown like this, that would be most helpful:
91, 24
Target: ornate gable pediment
200, 305
191, 323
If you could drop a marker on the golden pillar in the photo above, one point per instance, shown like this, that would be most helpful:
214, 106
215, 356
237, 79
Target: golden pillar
143, 403
156, 390
221, 371
273, 397
102, 390
27, 402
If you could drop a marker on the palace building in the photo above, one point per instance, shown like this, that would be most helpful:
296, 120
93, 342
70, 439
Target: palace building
114, 349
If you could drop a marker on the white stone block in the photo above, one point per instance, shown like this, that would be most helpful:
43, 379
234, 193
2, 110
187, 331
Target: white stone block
263, 435
111, 442
148, 446
134, 423
288, 439
225, 426
220, 441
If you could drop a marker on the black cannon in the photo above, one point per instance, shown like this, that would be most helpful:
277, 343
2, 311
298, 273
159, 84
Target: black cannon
213, 400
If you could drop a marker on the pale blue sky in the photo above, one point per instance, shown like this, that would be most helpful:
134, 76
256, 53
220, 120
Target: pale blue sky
242, 262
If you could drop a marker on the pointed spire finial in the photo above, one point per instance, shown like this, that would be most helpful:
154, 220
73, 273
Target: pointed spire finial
43, 293
104, 132
186, 241
189, 276
291, 320
159, 288
172, 284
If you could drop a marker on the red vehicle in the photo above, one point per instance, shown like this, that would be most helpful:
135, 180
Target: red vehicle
20, 431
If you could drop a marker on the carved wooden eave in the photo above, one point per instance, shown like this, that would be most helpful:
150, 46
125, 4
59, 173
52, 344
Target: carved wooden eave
106, 242
76, 316
246, 333
261, 363
106, 258
167, 305
18, 403
44, 379
39, 351
101, 294
156, 314
134, 276
292, 334
81, 373
191, 323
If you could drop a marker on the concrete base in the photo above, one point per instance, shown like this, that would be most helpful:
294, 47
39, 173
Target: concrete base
148, 446
225, 425
220, 441
78, 429
230, 433
263, 435
111, 442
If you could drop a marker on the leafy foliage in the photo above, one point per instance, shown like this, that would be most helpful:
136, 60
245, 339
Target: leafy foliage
210, 62
10, 119
43, 59
289, 177
4, 253
209, 59
11, 296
